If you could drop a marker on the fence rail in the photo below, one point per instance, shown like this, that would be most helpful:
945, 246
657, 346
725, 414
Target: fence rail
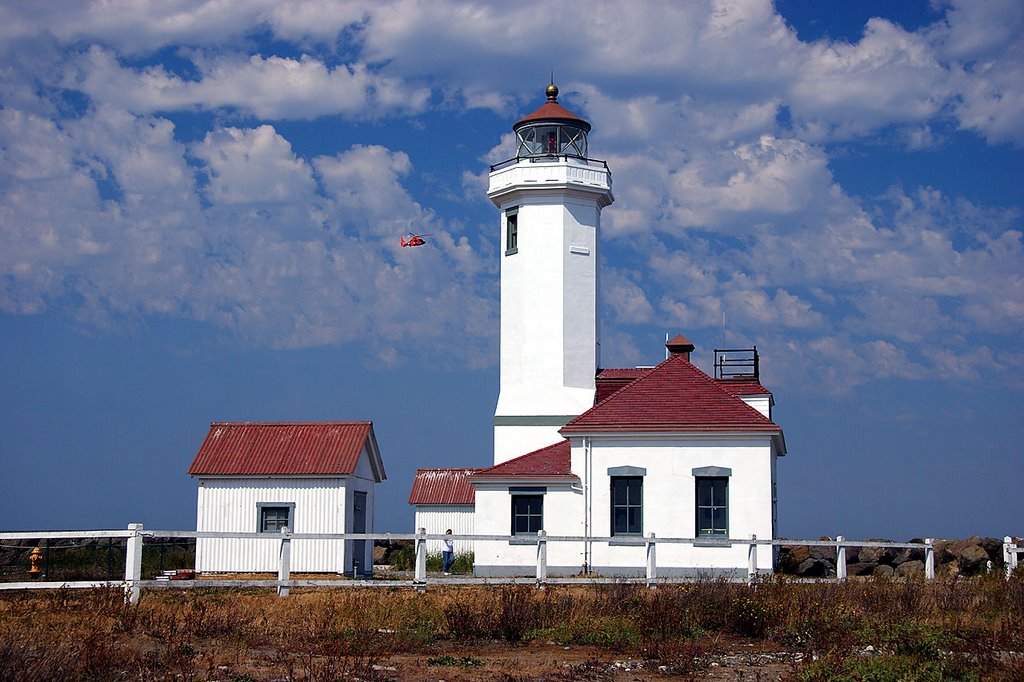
135, 535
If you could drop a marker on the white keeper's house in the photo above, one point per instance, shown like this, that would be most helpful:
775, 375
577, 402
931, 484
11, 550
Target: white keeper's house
309, 477
609, 454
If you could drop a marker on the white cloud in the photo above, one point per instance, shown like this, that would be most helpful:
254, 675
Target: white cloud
268, 87
254, 166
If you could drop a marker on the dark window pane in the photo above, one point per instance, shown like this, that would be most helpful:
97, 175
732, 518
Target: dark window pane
634, 490
634, 519
718, 518
703, 520
620, 521
719, 492
703, 492
619, 492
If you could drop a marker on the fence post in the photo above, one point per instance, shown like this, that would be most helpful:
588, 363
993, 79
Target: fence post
284, 567
652, 563
133, 562
929, 559
542, 558
752, 560
840, 559
420, 574
1009, 556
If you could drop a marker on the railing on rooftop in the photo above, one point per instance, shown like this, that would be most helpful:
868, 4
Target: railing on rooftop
737, 363
135, 534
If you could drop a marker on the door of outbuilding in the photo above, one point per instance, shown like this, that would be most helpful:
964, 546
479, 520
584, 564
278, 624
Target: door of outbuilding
359, 526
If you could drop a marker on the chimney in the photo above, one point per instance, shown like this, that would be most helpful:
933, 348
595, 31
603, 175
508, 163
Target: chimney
679, 345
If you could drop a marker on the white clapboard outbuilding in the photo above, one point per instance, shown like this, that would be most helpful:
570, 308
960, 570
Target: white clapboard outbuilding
311, 477
444, 500
592, 452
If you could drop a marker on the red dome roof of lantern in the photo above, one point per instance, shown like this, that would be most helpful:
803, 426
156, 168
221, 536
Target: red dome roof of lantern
552, 111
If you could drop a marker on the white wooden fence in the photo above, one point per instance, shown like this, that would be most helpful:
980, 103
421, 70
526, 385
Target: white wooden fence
135, 535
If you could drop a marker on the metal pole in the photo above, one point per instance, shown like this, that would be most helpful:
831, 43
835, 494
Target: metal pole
420, 575
542, 558
752, 561
840, 559
284, 568
652, 562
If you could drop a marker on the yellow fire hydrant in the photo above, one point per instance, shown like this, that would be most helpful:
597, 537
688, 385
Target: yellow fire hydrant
34, 558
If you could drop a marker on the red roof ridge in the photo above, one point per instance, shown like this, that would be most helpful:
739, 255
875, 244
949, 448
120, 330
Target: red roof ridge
550, 461
699, 403
286, 449
307, 423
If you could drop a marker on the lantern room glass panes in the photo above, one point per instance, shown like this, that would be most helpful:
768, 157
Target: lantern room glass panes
544, 140
712, 506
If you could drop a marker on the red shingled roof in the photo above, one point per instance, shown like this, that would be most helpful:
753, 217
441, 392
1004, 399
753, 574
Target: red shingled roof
548, 462
674, 396
285, 449
742, 387
442, 486
610, 380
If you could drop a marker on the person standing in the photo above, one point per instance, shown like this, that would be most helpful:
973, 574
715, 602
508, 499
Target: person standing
448, 554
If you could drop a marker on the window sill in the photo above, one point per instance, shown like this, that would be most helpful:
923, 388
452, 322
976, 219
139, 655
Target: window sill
708, 542
627, 541
509, 252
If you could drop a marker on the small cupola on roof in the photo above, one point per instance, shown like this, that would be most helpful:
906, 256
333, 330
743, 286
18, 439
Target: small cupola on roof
552, 130
679, 345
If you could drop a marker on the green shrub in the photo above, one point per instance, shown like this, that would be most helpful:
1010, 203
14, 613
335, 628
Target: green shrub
405, 560
883, 669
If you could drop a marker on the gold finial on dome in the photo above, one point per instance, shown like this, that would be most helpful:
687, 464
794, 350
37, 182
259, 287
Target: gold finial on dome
552, 93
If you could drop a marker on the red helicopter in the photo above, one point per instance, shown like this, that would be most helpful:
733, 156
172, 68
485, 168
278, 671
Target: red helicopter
414, 240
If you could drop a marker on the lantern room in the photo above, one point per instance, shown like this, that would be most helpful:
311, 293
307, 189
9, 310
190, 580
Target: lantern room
552, 130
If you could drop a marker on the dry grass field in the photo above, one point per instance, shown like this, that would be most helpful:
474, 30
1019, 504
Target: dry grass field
964, 629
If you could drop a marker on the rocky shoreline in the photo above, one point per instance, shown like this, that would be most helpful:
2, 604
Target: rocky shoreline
973, 556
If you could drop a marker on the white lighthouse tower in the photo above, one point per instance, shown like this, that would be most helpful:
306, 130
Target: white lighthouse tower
550, 197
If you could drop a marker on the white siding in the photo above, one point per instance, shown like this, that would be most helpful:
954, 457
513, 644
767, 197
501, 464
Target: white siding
562, 515
437, 518
669, 507
669, 492
230, 504
760, 402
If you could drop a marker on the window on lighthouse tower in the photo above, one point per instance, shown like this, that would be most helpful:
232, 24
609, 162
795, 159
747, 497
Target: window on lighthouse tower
511, 231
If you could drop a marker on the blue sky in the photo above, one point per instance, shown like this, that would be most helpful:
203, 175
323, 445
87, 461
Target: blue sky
201, 204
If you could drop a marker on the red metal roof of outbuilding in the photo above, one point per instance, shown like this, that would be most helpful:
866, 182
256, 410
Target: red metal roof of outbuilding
285, 449
442, 486
552, 461
674, 396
